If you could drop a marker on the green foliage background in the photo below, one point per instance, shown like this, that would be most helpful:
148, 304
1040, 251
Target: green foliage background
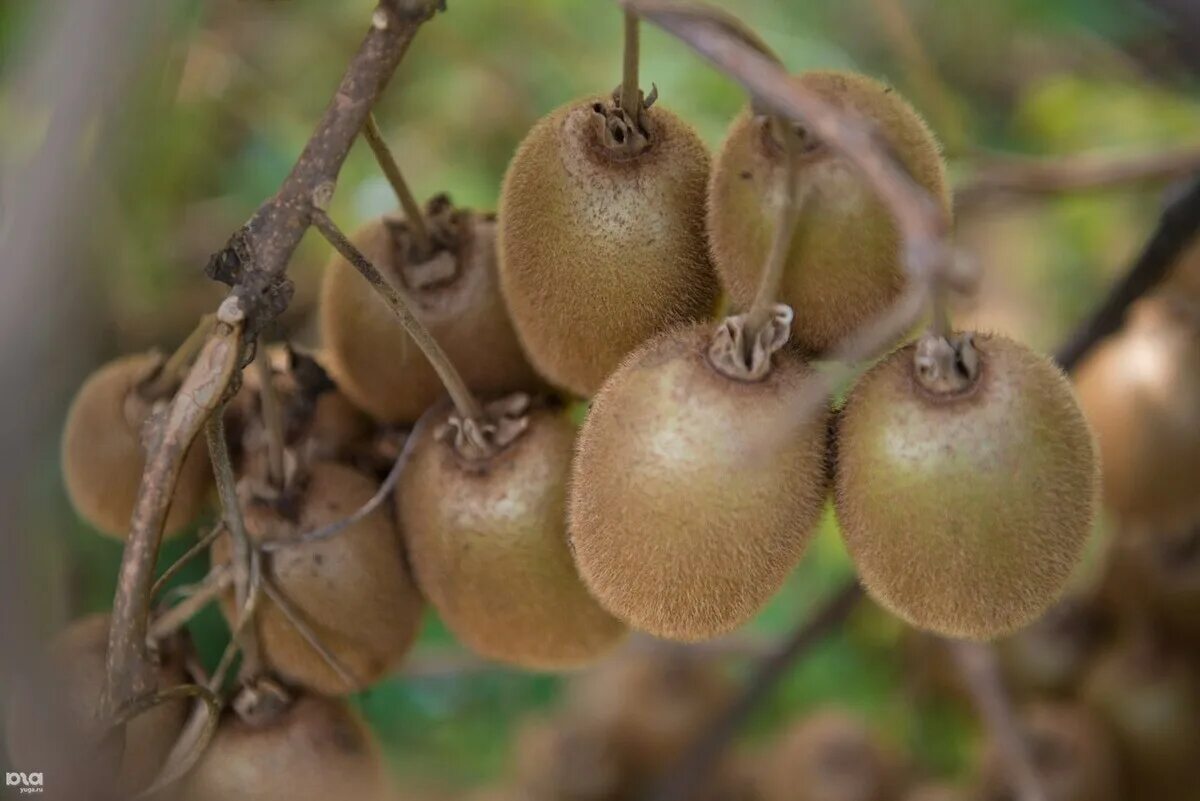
229, 94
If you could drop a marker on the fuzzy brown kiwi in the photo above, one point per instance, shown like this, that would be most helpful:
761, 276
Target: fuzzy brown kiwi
936, 791
486, 537
831, 756
76, 663
1141, 391
570, 759
694, 494
315, 750
353, 589
1051, 656
1150, 699
599, 249
454, 292
966, 484
1073, 756
844, 266
102, 453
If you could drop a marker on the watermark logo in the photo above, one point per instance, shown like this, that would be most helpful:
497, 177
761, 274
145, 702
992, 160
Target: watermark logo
28, 782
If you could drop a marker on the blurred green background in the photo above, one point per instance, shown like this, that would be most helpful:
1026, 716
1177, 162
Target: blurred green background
229, 94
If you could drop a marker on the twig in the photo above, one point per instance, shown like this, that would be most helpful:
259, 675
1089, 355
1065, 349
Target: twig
200, 547
216, 582
253, 263
335, 528
687, 774
293, 616
464, 401
977, 664
1176, 229
387, 162
1017, 175
246, 613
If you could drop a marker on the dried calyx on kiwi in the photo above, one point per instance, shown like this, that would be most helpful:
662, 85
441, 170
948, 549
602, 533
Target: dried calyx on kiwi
273, 747
601, 237
449, 274
104, 452
481, 506
844, 263
694, 490
74, 730
966, 482
344, 609
831, 756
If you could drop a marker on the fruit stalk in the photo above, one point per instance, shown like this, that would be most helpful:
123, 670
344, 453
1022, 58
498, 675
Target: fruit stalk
787, 217
175, 366
631, 92
171, 621
412, 210
272, 418
464, 401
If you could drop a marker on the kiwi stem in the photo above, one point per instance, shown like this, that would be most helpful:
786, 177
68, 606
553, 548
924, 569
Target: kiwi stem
169, 622
166, 380
412, 210
231, 512
200, 547
939, 323
785, 228
310, 636
272, 417
631, 92
464, 402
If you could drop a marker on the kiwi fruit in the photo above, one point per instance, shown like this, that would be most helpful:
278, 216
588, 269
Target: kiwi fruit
454, 292
570, 759
316, 749
845, 263
602, 245
831, 756
1141, 391
1073, 758
694, 494
103, 456
76, 665
353, 590
1161, 577
486, 538
935, 791
1051, 656
966, 482
1150, 699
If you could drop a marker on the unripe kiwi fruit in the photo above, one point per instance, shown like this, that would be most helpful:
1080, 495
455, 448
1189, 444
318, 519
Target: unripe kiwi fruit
315, 750
103, 456
1073, 757
598, 250
831, 756
693, 494
486, 539
352, 589
454, 293
1141, 391
845, 264
76, 664
965, 508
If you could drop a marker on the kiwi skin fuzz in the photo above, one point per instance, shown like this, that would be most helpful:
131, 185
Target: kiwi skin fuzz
694, 495
76, 660
378, 366
845, 262
102, 453
488, 546
316, 750
1141, 391
353, 590
966, 514
597, 254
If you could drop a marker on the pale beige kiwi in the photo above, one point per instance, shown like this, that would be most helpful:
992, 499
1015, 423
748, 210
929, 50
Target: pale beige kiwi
966, 514
318, 749
1140, 389
844, 265
693, 495
76, 672
598, 254
103, 457
831, 756
353, 590
487, 542
1073, 756
378, 366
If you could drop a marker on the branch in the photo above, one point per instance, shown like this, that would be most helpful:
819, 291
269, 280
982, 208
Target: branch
685, 776
1176, 229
